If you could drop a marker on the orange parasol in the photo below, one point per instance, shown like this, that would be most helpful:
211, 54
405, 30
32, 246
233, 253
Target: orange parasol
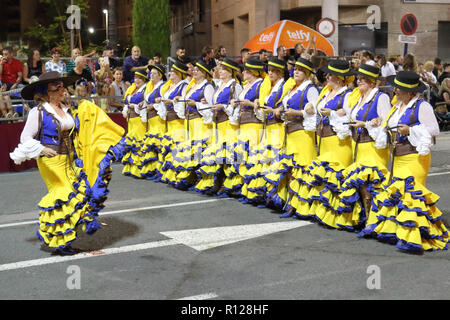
288, 33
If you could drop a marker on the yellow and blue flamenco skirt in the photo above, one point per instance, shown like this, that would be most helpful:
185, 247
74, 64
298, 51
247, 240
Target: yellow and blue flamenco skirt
232, 180
368, 171
286, 181
268, 158
77, 183
134, 140
210, 171
245, 151
176, 133
324, 182
152, 150
187, 154
404, 212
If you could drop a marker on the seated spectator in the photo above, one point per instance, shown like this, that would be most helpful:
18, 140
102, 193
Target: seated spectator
208, 57
33, 67
221, 53
133, 63
263, 55
55, 64
181, 54
437, 69
157, 58
6, 110
81, 91
245, 53
444, 93
367, 57
74, 54
102, 90
409, 63
108, 57
80, 70
117, 89
104, 71
10, 69
282, 53
445, 73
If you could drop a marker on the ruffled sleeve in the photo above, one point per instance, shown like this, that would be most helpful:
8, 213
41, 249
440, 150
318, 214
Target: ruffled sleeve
205, 112
421, 139
161, 110
30, 149
337, 122
179, 108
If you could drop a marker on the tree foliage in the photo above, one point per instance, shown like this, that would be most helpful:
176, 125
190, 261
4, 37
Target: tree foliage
50, 29
151, 30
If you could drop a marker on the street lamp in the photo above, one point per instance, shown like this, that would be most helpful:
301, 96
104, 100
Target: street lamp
105, 11
91, 30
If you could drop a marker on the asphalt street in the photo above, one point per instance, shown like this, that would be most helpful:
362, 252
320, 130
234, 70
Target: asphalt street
164, 244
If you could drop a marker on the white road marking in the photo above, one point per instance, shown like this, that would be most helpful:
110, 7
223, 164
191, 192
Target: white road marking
204, 296
126, 210
199, 239
438, 174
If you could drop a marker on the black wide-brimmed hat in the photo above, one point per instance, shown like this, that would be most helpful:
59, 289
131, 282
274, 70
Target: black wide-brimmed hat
339, 68
161, 69
180, 67
230, 64
277, 63
204, 68
369, 71
254, 64
29, 91
407, 81
141, 74
305, 64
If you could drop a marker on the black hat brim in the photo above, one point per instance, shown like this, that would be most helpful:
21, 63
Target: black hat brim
150, 67
29, 91
325, 69
420, 88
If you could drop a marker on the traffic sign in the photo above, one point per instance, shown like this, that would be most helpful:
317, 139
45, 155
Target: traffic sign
408, 24
407, 39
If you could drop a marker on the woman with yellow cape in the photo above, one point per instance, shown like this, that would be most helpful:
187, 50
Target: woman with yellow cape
368, 108
404, 212
193, 107
136, 116
215, 166
152, 158
250, 127
299, 145
174, 125
74, 148
320, 200
268, 153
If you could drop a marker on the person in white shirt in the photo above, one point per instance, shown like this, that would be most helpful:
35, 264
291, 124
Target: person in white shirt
404, 210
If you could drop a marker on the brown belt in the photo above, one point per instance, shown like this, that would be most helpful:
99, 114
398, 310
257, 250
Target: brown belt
294, 125
65, 145
325, 131
220, 117
193, 115
152, 113
133, 113
171, 115
404, 148
361, 138
273, 121
248, 116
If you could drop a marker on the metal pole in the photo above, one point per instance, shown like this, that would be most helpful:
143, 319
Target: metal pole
71, 33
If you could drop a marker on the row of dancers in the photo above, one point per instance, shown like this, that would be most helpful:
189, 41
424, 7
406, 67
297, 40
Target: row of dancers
348, 159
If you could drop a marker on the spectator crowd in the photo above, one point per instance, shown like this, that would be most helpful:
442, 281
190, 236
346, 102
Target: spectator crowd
106, 78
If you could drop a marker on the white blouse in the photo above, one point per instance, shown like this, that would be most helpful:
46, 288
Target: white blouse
29, 147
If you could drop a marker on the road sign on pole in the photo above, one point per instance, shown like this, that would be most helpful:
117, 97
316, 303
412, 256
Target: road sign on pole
408, 24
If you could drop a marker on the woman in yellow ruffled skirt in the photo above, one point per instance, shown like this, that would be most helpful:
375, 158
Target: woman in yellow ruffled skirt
136, 124
368, 107
74, 148
152, 153
217, 158
404, 212
319, 195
